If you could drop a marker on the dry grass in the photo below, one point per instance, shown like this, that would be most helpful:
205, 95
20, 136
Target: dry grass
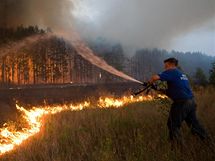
135, 133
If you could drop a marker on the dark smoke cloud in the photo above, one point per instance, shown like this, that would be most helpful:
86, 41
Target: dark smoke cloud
45, 13
148, 23
141, 23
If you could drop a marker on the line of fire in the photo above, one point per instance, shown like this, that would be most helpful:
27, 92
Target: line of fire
48, 76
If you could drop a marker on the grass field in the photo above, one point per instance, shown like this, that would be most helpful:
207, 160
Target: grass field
136, 132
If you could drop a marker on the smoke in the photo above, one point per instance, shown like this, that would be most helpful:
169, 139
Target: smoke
140, 23
143, 23
55, 14
26, 43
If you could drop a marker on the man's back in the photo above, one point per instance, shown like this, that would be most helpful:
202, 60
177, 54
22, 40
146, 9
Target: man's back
178, 84
183, 107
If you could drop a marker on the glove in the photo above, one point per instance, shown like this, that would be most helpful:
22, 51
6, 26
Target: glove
145, 84
154, 86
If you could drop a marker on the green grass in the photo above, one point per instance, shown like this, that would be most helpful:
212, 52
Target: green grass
136, 132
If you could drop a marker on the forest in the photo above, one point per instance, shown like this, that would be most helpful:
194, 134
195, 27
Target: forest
53, 60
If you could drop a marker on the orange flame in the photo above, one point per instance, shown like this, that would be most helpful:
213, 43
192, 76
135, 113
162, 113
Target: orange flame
9, 139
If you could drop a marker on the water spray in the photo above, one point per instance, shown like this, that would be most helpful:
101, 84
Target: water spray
84, 51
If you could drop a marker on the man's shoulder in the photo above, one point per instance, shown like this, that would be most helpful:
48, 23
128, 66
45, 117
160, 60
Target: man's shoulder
172, 71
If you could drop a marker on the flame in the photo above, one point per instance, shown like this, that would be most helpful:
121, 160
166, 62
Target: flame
112, 102
10, 138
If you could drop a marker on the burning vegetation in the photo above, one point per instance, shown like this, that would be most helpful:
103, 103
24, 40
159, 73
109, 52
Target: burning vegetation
10, 137
134, 131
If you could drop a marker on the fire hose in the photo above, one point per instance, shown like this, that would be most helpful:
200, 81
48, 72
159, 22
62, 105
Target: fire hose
147, 87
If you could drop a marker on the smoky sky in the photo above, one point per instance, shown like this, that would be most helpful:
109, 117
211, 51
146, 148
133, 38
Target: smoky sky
44, 13
147, 23
140, 23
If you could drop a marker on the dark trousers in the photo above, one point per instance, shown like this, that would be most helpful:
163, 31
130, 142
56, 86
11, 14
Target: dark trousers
184, 111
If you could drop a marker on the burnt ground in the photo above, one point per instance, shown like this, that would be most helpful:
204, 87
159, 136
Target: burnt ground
32, 95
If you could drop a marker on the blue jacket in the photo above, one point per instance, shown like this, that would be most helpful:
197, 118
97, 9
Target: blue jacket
178, 84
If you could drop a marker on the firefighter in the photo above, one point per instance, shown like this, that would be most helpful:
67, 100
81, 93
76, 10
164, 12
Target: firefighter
183, 107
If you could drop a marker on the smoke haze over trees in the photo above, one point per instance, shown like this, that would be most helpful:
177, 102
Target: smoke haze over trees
139, 23
53, 60
146, 26
45, 61
212, 74
146, 62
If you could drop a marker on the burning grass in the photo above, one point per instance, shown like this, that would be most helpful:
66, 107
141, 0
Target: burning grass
136, 132
11, 137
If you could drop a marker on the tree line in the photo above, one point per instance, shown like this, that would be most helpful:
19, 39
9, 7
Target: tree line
46, 61
144, 62
53, 60
14, 34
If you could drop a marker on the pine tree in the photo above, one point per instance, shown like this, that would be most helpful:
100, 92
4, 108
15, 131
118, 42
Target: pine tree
200, 77
212, 74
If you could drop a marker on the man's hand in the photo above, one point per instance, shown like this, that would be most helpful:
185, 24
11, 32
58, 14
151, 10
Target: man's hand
154, 78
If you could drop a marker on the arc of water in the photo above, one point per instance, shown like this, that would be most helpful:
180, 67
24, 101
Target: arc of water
88, 54
79, 45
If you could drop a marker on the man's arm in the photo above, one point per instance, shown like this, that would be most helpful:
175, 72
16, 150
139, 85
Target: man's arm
154, 78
